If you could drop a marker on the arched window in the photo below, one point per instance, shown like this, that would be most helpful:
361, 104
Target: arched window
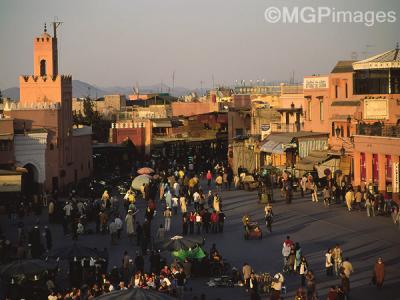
43, 67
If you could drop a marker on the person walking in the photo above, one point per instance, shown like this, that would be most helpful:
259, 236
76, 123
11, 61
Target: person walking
345, 285
217, 203
379, 273
314, 195
182, 202
119, 224
299, 255
225, 180
160, 233
326, 193
209, 178
303, 185
113, 232
167, 219
337, 258
221, 221
218, 182
125, 265
198, 222
168, 198
253, 287
329, 262
192, 220
214, 222
303, 268
246, 270
369, 205
349, 197
358, 198
269, 216
51, 210
48, 238
347, 267
196, 200
130, 224
311, 286
185, 224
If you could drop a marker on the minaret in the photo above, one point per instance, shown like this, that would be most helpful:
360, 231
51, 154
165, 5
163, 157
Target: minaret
46, 85
45, 55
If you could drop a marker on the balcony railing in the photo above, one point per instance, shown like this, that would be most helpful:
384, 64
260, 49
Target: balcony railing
379, 129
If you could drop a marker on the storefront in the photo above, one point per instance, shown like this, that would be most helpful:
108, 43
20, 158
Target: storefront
376, 161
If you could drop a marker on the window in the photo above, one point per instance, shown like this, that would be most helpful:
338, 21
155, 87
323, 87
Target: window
239, 131
336, 91
348, 130
347, 91
43, 67
341, 131
309, 109
321, 110
333, 128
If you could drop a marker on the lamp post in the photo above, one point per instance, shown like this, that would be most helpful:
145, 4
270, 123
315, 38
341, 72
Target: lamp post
342, 151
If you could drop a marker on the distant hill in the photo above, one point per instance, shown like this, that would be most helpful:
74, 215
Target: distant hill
82, 89
12, 93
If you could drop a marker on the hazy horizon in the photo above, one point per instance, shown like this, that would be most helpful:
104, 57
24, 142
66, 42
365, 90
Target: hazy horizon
122, 42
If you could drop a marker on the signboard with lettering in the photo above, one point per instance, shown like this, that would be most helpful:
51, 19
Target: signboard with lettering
396, 177
376, 109
10, 183
316, 83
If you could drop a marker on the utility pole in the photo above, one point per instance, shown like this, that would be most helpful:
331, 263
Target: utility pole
173, 81
56, 24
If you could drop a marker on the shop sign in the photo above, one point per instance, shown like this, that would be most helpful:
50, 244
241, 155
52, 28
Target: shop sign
376, 109
316, 83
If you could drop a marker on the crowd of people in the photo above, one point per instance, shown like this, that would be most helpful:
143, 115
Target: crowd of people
178, 195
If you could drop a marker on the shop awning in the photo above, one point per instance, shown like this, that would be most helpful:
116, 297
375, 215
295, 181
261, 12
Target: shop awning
269, 146
162, 124
314, 158
273, 147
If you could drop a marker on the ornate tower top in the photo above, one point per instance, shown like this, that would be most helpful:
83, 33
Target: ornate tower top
45, 55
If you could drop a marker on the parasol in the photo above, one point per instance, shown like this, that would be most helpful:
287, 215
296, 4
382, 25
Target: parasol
138, 182
145, 170
178, 242
26, 267
75, 250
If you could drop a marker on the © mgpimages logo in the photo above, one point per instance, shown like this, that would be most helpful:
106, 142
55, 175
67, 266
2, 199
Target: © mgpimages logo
325, 14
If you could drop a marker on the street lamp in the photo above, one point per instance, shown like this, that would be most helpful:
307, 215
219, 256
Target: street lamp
342, 151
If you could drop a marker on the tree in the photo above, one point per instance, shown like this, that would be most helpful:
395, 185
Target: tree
91, 117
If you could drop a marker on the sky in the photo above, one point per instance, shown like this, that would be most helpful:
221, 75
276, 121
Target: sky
129, 42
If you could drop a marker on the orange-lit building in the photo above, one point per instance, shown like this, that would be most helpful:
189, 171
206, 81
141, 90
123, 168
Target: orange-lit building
45, 143
358, 104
